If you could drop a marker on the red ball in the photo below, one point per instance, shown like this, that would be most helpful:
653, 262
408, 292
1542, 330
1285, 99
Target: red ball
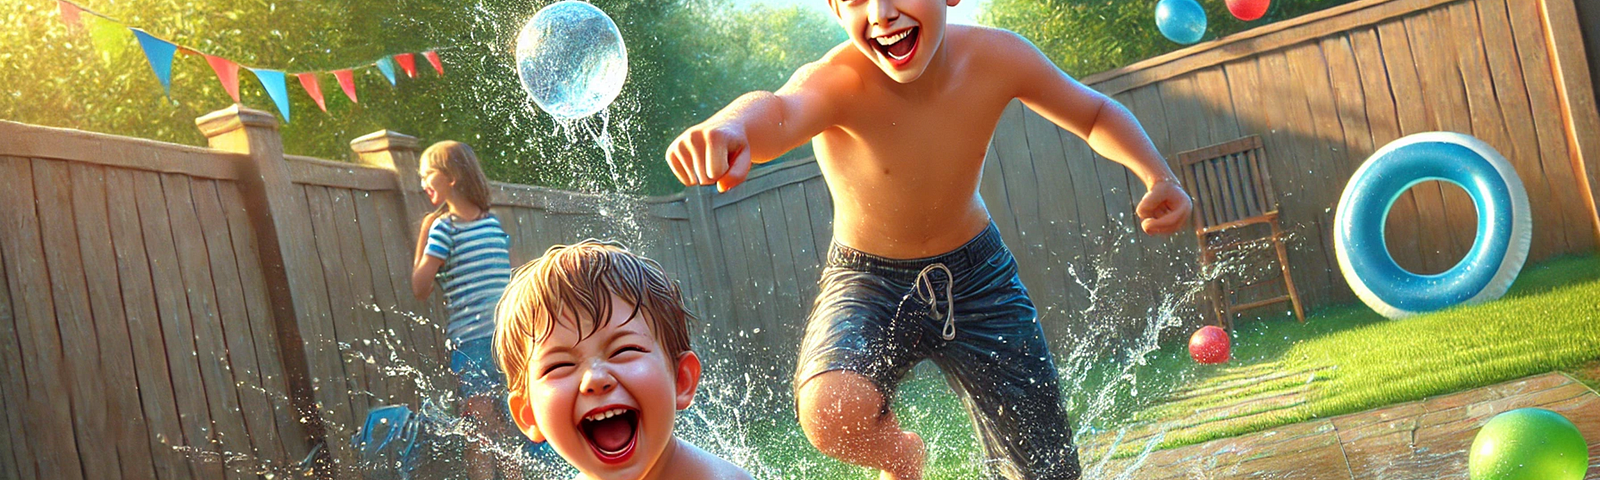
1209, 345
1248, 10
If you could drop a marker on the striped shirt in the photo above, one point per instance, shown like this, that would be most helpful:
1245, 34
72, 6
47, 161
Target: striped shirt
477, 267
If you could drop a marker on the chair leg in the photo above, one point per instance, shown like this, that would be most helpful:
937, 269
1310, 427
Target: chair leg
1283, 261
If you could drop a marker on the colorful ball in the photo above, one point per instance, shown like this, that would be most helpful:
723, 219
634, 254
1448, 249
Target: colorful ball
1181, 21
1210, 345
1248, 10
1528, 444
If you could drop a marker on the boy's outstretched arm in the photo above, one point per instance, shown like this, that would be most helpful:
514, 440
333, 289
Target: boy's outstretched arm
1109, 128
757, 127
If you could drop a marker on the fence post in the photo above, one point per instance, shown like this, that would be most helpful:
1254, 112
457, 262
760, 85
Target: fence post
397, 152
279, 214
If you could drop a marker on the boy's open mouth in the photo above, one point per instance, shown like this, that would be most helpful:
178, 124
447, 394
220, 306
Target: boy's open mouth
900, 46
612, 432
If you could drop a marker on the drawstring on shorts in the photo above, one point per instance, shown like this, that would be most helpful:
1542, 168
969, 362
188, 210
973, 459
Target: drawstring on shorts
930, 296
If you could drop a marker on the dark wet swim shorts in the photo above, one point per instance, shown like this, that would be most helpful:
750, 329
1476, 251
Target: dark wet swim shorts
968, 312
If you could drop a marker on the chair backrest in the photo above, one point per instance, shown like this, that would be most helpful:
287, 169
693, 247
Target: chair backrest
1228, 182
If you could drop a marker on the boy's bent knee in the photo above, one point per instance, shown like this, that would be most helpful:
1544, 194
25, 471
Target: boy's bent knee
839, 407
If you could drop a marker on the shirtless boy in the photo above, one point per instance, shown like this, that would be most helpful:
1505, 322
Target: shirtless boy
900, 118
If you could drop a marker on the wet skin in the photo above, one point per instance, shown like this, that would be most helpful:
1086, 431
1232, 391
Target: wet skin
901, 141
580, 392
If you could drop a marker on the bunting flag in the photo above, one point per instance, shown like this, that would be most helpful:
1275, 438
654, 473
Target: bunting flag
227, 73
273, 81
110, 38
433, 58
347, 82
71, 16
386, 66
159, 52
408, 63
309, 81
107, 38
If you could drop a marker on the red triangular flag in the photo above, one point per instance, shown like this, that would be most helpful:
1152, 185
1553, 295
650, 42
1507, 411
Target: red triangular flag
309, 80
433, 58
408, 62
227, 73
347, 81
70, 15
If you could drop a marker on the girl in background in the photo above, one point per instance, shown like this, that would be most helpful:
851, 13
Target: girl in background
463, 246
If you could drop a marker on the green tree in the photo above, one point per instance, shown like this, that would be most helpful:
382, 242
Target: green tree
686, 58
1085, 37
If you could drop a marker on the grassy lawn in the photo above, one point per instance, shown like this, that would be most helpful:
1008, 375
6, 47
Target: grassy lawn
1343, 359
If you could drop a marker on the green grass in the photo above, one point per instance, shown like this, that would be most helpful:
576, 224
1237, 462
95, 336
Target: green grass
1550, 320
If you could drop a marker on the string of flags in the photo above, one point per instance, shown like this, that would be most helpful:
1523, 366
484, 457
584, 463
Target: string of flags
161, 52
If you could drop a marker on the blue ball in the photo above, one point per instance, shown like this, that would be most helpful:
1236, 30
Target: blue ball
1181, 21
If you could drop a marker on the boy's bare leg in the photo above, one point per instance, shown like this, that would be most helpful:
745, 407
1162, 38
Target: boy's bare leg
843, 415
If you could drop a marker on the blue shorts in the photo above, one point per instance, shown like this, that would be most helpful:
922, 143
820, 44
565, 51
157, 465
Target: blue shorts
473, 362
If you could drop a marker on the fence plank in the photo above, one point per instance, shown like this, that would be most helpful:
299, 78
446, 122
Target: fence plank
29, 278
1309, 66
1404, 242
758, 262
1446, 105
396, 333
1575, 91
1283, 152
144, 328
803, 249
1406, 89
16, 457
177, 331
1550, 208
742, 308
1528, 34
293, 437
1057, 302
1167, 110
992, 187
235, 326
345, 328
819, 202
368, 322
421, 324
53, 188
130, 433
210, 346
785, 274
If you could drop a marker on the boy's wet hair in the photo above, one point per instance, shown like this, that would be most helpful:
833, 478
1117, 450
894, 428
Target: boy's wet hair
582, 278
457, 160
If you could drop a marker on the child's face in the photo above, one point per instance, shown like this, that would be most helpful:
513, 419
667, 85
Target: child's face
899, 36
605, 403
436, 184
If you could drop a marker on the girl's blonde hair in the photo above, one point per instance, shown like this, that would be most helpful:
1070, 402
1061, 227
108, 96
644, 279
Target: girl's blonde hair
457, 160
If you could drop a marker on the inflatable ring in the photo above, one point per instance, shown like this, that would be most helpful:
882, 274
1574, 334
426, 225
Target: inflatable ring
1504, 225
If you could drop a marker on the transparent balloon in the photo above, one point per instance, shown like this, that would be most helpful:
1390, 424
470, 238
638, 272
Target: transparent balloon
571, 59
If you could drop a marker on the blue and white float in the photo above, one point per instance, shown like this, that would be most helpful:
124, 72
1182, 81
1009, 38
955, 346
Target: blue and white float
1498, 250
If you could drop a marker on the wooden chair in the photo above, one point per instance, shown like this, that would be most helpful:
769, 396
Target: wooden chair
1231, 189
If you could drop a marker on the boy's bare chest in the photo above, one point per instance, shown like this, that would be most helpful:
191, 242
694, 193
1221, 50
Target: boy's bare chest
903, 133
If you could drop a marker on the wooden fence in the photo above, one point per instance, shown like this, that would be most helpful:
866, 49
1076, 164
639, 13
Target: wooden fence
182, 312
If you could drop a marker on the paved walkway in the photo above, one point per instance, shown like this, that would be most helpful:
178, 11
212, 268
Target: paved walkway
1426, 439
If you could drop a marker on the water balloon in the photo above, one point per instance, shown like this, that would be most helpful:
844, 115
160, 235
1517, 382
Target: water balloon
1209, 345
571, 59
1181, 21
1248, 10
1527, 444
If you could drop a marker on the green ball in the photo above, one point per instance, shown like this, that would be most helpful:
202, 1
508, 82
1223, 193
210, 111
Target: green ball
1528, 444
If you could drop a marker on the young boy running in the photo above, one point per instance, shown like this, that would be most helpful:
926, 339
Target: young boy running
900, 118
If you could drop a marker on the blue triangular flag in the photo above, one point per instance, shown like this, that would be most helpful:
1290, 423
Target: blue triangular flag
159, 52
386, 66
272, 80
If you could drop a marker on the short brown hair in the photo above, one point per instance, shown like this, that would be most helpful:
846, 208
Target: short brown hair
582, 278
457, 160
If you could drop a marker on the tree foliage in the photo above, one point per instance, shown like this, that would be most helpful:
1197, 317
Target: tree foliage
1085, 37
686, 58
